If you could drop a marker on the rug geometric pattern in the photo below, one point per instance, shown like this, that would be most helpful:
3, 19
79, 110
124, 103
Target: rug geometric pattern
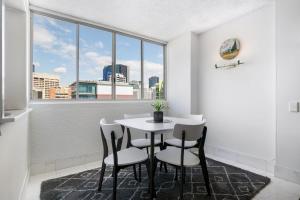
226, 182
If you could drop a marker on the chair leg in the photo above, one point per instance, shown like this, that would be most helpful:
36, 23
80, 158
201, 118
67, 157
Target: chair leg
176, 174
148, 172
148, 168
115, 183
184, 175
165, 166
134, 172
182, 182
160, 166
101, 176
140, 172
162, 147
204, 171
155, 165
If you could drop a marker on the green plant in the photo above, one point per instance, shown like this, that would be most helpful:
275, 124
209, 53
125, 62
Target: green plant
159, 105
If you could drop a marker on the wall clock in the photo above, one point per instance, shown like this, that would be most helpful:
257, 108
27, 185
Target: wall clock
230, 49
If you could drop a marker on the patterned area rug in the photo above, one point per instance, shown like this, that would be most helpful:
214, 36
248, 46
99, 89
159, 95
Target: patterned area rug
227, 183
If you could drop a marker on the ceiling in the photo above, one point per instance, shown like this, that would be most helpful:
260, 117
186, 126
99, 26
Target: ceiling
160, 19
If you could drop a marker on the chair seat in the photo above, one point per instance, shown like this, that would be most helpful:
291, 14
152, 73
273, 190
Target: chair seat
144, 142
173, 155
177, 142
127, 157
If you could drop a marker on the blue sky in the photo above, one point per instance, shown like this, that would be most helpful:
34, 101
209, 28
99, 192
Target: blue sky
54, 52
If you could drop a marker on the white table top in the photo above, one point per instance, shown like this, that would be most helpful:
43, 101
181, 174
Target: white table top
142, 124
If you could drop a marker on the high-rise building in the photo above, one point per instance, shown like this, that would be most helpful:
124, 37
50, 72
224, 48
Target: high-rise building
120, 69
119, 78
87, 89
60, 93
153, 80
42, 83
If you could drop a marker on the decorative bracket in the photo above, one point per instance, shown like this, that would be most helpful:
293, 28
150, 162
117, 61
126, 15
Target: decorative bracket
232, 65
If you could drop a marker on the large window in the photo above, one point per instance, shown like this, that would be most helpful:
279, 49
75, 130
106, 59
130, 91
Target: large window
72, 60
128, 68
95, 60
54, 58
153, 71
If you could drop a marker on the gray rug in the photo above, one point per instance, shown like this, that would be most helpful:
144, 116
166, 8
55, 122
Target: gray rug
227, 183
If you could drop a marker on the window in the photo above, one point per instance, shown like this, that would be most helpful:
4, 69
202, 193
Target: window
74, 60
153, 71
128, 68
54, 58
95, 60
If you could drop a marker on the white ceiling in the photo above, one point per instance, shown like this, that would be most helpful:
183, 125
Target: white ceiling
160, 19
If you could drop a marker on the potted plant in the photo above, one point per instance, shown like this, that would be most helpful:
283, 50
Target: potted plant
159, 106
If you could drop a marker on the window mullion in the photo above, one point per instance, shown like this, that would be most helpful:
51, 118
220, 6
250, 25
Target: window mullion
77, 61
142, 69
113, 65
165, 72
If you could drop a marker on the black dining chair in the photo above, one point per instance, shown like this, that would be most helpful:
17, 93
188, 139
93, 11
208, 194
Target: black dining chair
175, 142
181, 158
119, 159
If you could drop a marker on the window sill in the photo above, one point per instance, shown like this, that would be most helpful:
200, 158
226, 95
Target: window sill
87, 102
14, 115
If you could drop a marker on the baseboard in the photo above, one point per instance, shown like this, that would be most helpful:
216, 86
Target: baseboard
248, 162
287, 174
23, 187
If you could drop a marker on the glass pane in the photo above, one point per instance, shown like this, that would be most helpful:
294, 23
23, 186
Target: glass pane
95, 59
54, 58
153, 71
128, 68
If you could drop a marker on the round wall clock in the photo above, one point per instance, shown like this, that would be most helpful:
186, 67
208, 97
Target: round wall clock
230, 49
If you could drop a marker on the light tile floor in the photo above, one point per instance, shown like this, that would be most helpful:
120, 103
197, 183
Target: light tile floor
278, 189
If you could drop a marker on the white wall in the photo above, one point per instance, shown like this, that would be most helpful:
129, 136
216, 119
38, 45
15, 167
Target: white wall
67, 134
15, 59
288, 83
239, 103
14, 165
14, 148
179, 74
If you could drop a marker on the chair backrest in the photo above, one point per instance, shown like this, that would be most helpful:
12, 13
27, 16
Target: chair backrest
141, 115
192, 131
109, 128
194, 117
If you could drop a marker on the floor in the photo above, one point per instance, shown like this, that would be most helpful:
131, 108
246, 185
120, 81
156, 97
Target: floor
278, 189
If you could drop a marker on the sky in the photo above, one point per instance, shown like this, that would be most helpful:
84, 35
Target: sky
54, 52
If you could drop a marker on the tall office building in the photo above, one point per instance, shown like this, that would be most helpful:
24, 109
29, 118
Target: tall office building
120, 69
153, 80
42, 83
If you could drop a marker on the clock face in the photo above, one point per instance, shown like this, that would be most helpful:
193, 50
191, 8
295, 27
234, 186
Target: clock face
230, 49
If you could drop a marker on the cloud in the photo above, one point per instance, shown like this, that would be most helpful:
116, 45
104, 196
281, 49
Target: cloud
53, 22
160, 55
47, 40
42, 37
60, 70
36, 64
100, 61
99, 44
